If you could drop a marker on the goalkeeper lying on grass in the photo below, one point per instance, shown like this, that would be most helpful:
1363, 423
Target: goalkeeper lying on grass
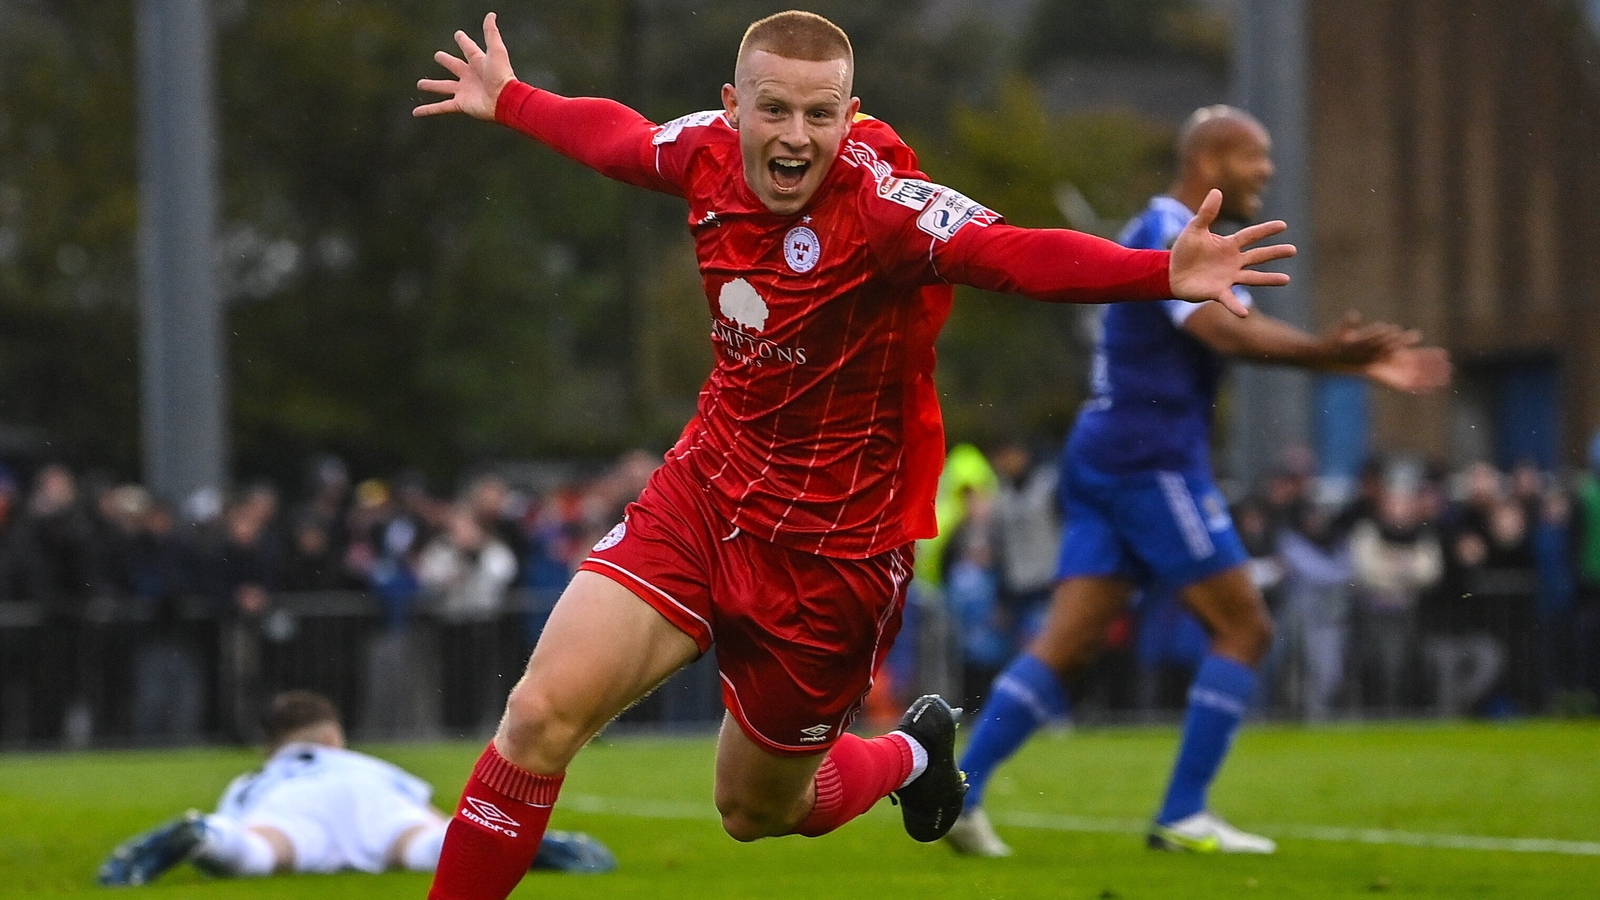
318, 807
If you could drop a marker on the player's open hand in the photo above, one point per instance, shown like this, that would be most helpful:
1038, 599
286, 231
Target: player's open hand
1351, 343
1411, 370
480, 75
1206, 266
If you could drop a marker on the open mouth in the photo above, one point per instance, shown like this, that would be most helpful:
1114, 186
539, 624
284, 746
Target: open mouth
788, 173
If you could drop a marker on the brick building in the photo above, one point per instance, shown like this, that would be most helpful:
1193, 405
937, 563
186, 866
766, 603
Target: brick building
1448, 163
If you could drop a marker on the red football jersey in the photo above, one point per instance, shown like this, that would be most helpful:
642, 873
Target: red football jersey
819, 428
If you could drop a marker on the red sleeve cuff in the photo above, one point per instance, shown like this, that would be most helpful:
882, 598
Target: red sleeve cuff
508, 107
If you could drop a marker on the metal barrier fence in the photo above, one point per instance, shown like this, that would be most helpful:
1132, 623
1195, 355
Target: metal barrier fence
109, 676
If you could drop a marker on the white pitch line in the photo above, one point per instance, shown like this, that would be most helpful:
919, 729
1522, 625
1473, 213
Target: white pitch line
669, 809
1052, 822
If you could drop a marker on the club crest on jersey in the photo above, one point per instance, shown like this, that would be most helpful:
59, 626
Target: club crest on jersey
952, 212
801, 249
740, 303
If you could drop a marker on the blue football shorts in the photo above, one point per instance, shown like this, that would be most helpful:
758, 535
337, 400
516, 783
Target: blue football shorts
1170, 529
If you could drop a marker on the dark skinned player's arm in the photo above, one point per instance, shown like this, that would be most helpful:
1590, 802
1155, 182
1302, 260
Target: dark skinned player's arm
1261, 338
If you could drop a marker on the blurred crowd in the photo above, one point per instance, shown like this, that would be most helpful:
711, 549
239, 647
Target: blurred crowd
104, 583
1411, 589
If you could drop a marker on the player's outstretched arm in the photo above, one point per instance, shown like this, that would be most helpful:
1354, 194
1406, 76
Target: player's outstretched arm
1205, 265
1382, 352
480, 76
602, 134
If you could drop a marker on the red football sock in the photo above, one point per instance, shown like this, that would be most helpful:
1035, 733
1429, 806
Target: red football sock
496, 830
856, 774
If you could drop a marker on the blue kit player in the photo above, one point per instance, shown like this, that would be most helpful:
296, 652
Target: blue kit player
1141, 507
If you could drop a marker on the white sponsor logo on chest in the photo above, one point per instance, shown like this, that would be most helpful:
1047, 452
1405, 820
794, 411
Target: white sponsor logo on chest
742, 305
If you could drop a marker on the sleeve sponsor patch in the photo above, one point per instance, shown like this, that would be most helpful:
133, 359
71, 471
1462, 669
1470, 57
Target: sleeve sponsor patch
911, 193
669, 132
952, 212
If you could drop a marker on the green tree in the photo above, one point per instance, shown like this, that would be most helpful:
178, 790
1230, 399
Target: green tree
1012, 368
68, 206
1126, 28
434, 293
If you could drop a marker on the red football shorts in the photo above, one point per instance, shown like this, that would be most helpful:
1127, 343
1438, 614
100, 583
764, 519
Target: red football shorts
798, 636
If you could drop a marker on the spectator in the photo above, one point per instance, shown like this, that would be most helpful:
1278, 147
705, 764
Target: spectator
972, 591
1504, 587
313, 562
1316, 606
1527, 483
13, 641
1027, 536
56, 545
243, 568
169, 690
1556, 627
1586, 550
1253, 519
401, 699
56, 557
368, 525
1363, 507
466, 570
499, 510
329, 504
10, 576
1465, 659
247, 564
1395, 558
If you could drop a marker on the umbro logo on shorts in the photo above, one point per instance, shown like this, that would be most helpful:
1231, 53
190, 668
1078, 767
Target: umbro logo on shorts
815, 733
489, 816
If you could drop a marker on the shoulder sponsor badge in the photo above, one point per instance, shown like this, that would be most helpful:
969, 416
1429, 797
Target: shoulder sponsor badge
669, 132
912, 193
613, 537
952, 212
801, 249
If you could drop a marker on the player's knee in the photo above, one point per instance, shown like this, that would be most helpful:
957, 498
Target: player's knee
538, 729
746, 822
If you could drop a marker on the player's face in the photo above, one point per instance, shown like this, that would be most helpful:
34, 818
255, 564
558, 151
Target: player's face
1246, 167
792, 116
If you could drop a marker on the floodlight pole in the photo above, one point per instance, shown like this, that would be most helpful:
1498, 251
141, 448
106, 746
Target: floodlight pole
183, 389
1271, 406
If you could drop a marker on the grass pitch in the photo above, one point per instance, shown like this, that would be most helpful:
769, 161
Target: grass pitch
1457, 811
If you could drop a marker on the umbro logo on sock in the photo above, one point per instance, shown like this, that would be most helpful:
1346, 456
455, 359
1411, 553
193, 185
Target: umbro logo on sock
489, 816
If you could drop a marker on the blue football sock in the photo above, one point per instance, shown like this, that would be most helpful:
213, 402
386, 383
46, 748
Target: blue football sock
1217, 702
1026, 695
